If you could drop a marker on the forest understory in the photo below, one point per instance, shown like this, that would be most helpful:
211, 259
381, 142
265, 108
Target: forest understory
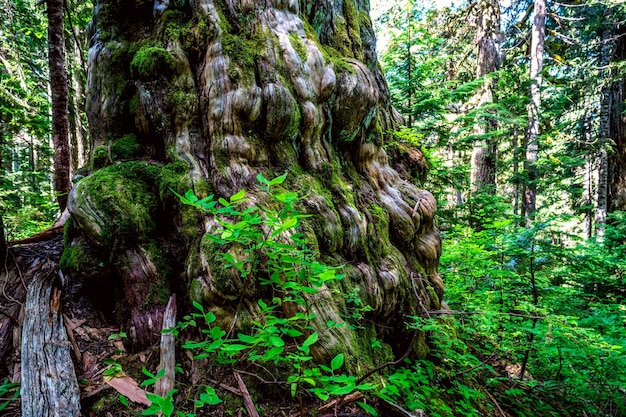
267, 212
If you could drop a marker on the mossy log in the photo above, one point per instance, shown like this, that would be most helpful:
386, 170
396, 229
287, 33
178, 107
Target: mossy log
214, 93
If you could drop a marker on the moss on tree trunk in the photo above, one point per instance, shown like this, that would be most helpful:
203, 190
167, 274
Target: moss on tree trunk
217, 92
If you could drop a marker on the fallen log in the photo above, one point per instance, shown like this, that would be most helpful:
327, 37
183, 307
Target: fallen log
55, 230
49, 385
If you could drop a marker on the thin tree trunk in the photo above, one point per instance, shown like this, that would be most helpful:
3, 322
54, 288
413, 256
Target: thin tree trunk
534, 109
516, 158
604, 133
589, 176
409, 72
3, 244
79, 145
616, 198
535, 294
588, 197
59, 89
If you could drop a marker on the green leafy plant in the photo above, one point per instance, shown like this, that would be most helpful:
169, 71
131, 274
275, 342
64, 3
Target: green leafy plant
9, 392
272, 251
113, 370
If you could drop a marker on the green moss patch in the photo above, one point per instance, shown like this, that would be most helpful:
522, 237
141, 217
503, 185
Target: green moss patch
244, 49
125, 148
299, 46
100, 157
125, 197
151, 63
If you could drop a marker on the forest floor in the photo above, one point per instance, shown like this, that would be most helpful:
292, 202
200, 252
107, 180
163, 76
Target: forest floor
109, 372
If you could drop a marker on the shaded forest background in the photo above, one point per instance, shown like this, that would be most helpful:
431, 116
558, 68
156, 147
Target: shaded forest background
527, 165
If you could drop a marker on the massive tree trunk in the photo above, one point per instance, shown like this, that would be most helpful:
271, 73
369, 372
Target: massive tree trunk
59, 89
207, 95
529, 203
483, 163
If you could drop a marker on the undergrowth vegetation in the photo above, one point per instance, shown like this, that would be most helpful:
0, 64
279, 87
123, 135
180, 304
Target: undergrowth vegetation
534, 323
266, 239
544, 307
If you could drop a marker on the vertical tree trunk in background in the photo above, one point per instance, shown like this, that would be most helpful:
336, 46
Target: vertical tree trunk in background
529, 203
75, 45
603, 162
483, 162
59, 89
213, 93
589, 197
604, 132
409, 60
516, 183
3, 244
616, 129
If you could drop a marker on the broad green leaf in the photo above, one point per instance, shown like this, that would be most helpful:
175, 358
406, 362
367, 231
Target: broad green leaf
276, 341
311, 339
368, 408
123, 400
191, 196
322, 394
260, 178
233, 348
287, 197
247, 338
291, 332
238, 196
228, 257
337, 361
289, 223
278, 180
209, 317
217, 332
341, 389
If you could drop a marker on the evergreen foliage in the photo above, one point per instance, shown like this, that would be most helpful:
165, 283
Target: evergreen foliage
539, 307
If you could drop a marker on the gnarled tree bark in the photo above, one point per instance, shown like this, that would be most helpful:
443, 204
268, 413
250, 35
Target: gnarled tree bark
208, 94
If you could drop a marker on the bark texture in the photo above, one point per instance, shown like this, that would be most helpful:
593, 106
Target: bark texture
49, 385
615, 119
604, 132
207, 94
489, 58
529, 203
59, 89
3, 243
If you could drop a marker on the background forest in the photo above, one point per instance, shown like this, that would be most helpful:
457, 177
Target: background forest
519, 108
